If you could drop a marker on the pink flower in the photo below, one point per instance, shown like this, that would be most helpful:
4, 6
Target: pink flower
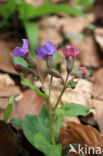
84, 70
70, 52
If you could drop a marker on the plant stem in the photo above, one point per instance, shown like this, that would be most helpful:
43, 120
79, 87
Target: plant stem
51, 124
50, 115
50, 85
62, 92
41, 81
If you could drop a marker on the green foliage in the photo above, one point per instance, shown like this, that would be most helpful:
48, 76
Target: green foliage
50, 150
16, 122
27, 12
9, 109
21, 61
58, 123
29, 84
72, 109
87, 4
8, 9
31, 29
37, 131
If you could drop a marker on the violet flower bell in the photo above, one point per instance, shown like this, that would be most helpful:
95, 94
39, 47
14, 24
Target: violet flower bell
47, 50
24, 53
21, 51
70, 54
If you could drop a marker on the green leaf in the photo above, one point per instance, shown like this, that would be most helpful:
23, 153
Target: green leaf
57, 8
8, 9
56, 58
58, 122
16, 122
9, 109
86, 3
31, 29
43, 145
27, 11
72, 109
29, 84
33, 125
21, 61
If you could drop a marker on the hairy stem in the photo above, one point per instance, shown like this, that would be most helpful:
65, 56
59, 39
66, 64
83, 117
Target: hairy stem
51, 124
62, 92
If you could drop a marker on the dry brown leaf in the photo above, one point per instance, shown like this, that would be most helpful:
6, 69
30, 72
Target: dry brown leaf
98, 84
7, 140
98, 34
89, 55
66, 23
52, 33
7, 88
80, 95
97, 9
75, 24
80, 134
6, 63
98, 105
31, 103
34, 2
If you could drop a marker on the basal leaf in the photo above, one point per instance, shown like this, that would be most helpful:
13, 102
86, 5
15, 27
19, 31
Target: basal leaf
9, 109
16, 122
57, 8
29, 84
58, 122
32, 125
21, 61
27, 11
44, 146
72, 109
8, 9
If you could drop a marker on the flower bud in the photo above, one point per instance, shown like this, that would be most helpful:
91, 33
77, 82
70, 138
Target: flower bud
51, 70
84, 70
31, 61
81, 72
22, 69
70, 54
69, 65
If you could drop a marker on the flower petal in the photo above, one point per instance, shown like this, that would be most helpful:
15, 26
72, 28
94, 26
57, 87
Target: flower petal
17, 52
41, 52
48, 44
25, 44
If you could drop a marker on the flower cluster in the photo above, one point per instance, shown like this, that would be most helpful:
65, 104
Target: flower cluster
70, 52
46, 52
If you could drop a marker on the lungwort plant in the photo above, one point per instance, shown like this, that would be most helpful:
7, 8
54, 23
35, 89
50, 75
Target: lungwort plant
43, 131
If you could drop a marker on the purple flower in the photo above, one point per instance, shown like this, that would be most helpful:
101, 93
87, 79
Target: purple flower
21, 51
47, 50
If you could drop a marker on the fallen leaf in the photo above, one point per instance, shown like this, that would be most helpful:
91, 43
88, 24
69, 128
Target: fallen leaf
98, 34
31, 103
98, 105
97, 9
80, 95
52, 33
7, 88
6, 63
7, 140
89, 55
80, 134
98, 84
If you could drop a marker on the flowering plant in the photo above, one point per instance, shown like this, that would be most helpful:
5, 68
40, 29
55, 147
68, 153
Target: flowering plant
43, 131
